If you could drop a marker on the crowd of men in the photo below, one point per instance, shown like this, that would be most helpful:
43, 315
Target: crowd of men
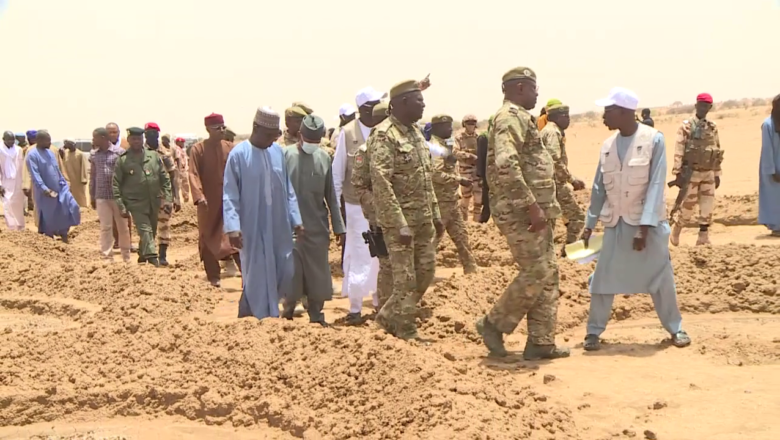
388, 191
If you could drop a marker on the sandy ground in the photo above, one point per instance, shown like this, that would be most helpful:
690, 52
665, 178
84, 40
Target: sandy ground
90, 350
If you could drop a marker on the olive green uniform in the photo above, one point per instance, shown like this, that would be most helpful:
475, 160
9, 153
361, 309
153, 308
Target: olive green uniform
141, 183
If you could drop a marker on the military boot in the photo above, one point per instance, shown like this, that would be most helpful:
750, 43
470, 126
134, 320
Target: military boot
163, 255
675, 237
704, 238
492, 337
533, 352
154, 261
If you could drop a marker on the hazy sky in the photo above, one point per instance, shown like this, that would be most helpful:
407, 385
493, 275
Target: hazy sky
73, 65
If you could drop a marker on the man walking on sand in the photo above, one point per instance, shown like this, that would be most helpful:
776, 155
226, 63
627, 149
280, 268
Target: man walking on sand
115, 138
11, 169
206, 176
628, 198
769, 171
101, 171
75, 162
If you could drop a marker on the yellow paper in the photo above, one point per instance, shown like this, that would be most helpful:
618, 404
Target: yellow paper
577, 251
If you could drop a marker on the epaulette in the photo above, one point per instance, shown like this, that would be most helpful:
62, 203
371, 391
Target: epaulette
363, 147
513, 109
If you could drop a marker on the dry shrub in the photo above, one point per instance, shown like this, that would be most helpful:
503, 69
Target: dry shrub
683, 109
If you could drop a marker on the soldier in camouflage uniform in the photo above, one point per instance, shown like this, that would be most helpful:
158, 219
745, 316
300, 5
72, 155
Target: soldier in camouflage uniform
446, 182
406, 207
552, 138
466, 152
142, 187
293, 117
163, 232
520, 172
698, 147
361, 182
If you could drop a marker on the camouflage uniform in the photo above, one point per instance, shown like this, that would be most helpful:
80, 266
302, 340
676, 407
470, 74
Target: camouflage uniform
401, 179
361, 182
446, 181
466, 152
164, 218
520, 172
552, 138
698, 145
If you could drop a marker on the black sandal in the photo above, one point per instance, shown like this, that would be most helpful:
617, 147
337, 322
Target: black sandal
681, 339
592, 343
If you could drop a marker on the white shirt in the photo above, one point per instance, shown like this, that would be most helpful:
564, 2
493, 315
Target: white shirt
341, 156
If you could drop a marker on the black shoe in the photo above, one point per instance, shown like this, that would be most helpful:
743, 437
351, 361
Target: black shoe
141, 259
153, 261
163, 255
354, 319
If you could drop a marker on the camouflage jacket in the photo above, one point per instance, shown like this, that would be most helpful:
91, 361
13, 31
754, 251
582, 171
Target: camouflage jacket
552, 138
401, 169
703, 151
466, 152
361, 180
520, 170
445, 177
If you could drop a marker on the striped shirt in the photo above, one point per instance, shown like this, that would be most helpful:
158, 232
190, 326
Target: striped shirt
102, 165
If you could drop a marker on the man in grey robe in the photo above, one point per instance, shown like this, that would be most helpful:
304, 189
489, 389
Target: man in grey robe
312, 179
628, 198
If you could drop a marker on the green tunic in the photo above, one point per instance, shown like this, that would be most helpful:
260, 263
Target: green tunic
140, 182
312, 178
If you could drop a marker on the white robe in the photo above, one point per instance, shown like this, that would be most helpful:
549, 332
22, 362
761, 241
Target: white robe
360, 270
11, 163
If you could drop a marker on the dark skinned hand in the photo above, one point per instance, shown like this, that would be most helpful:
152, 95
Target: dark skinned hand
776, 177
465, 181
237, 242
640, 241
406, 236
538, 219
439, 226
586, 233
93, 203
125, 214
717, 182
176, 206
342, 239
299, 231
578, 185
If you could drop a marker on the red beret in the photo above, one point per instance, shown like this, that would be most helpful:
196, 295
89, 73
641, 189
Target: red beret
704, 97
214, 119
179, 139
151, 126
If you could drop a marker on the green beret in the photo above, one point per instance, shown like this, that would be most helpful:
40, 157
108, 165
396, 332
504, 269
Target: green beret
304, 107
404, 87
441, 119
519, 73
553, 102
295, 112
380, 110
135, 131
557, 109
312, 127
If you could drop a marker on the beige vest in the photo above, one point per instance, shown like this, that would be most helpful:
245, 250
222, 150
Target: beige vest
626, 183
353, 139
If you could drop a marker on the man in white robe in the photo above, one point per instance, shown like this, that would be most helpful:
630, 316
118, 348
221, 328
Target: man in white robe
11, 168
360, 269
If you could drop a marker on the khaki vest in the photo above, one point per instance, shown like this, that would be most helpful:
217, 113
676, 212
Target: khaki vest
626, 183
353, 139
703, 151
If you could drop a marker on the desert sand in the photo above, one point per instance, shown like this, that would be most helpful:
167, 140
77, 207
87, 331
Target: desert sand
90, 350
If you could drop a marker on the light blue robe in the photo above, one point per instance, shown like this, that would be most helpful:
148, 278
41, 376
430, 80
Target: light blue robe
259, 201
55, 215
622, 270
768, 189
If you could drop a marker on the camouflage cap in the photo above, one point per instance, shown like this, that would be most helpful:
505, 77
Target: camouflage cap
519, 73
404, 87
380, 110
557, 109
303, 106
441, 119
295, 112
469, 118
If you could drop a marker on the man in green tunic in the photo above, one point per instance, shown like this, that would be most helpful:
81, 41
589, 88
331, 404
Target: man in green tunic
312, 178
140, 182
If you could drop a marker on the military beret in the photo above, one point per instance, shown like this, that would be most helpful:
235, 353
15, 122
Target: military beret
519, 73
557, 109
553, 102
404, 87
303, 106
312, 127
441, 119
295, 112
380, 110
135, 131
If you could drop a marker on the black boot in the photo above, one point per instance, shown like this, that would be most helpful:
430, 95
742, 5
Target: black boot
163, 255
154, 261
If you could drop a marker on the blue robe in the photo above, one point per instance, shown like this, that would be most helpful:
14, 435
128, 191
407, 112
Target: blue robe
55, 215
259, 201
768, 189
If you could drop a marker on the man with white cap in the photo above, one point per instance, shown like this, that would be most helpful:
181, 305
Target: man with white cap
346, 115
260, 211
360, 269
628, 197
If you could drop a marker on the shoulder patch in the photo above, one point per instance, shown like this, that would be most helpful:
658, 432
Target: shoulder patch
363, 147
513, 109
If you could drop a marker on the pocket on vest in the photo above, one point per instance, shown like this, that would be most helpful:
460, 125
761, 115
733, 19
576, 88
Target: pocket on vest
606, 213
635, 212
638, 179
609, 181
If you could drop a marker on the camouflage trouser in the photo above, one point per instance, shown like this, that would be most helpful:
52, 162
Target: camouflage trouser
163, 227
469, 194
456, 228
701, 191
384, 281
412, 271
184, 184
575, 216
534, 292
